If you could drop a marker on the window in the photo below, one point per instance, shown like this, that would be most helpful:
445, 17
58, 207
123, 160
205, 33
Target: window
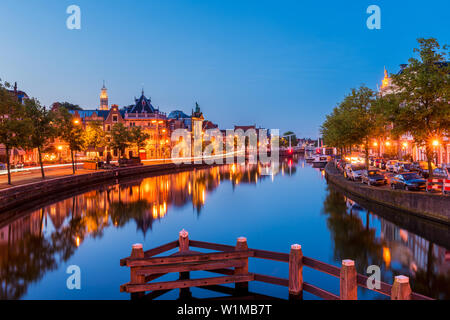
108, 128
114, 118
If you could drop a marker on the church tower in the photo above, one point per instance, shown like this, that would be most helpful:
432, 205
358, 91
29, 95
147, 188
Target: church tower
104, 98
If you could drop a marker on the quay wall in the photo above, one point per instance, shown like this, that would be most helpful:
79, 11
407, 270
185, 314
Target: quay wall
430, 206
19, 195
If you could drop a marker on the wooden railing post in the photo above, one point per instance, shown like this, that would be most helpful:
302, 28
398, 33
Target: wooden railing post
296, 272
137, 251
349, 286
183, 240
401, 289
241, 287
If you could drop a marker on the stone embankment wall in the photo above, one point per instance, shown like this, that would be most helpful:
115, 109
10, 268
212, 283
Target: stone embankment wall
432, 206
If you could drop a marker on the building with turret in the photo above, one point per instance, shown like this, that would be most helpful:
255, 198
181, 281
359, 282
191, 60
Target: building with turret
104, 106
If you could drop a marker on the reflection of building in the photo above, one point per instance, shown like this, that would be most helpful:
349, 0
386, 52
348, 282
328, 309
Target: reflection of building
412, 250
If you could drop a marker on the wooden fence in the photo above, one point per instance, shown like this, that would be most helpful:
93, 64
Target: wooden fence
232, 263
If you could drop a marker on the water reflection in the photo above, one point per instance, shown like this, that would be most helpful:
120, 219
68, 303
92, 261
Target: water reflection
41, 240
371, 240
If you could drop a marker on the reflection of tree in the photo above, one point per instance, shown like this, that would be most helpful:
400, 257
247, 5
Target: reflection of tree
26, 262
27, 257
355, 241
429, 283
352, 240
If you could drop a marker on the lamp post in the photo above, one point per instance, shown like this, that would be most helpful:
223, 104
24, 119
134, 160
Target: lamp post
435, 144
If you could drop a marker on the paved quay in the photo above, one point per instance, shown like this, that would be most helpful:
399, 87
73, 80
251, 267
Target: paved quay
27, 176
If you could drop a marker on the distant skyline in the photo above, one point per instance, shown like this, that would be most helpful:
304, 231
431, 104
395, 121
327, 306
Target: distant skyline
276, 64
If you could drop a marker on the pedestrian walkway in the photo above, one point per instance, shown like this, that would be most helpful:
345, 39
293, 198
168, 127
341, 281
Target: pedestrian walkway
30, 176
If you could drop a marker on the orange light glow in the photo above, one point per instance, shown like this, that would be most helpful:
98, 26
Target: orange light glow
387, 256
76, 121
78, 241
375, 144
60, 148
435, 143
386, 81
388, 143
405, 144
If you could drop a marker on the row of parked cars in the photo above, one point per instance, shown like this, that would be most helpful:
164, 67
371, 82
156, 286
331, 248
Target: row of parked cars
13, 166
419, 167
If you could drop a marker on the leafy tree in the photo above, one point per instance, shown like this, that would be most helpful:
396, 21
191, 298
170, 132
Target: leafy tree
14, 127
95, 136
42, 127
70, 132
69, 106
355, 121
138, 137
120, 138
423, 88
284, 141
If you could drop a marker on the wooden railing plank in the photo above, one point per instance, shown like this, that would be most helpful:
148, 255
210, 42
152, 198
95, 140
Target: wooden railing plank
178, 284
271, 280
195, 266
210, 246
154, 251
141, 262
322, 266
270, 255
319, 292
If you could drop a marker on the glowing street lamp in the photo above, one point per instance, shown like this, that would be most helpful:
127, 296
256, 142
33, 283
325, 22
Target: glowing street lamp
388, 143
405, 144
435, 143
76, 121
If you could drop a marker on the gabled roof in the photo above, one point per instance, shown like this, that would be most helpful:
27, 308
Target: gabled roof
141, 105
178, 114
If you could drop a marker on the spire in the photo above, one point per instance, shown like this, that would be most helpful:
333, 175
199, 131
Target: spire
103, 85
386, 81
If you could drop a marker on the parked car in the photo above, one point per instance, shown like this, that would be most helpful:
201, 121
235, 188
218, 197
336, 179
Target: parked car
341, 165
408, 181
381, 163
18, 166
353, 171
402, 166
373, 178
443, 172
422, 168
390, 165
2, 166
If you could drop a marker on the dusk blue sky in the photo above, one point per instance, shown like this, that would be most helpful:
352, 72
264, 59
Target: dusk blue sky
277, 64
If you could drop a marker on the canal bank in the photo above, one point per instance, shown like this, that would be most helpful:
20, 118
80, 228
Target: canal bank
433, 207
29, 193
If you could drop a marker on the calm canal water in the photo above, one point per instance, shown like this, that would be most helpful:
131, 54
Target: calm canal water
94, 230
